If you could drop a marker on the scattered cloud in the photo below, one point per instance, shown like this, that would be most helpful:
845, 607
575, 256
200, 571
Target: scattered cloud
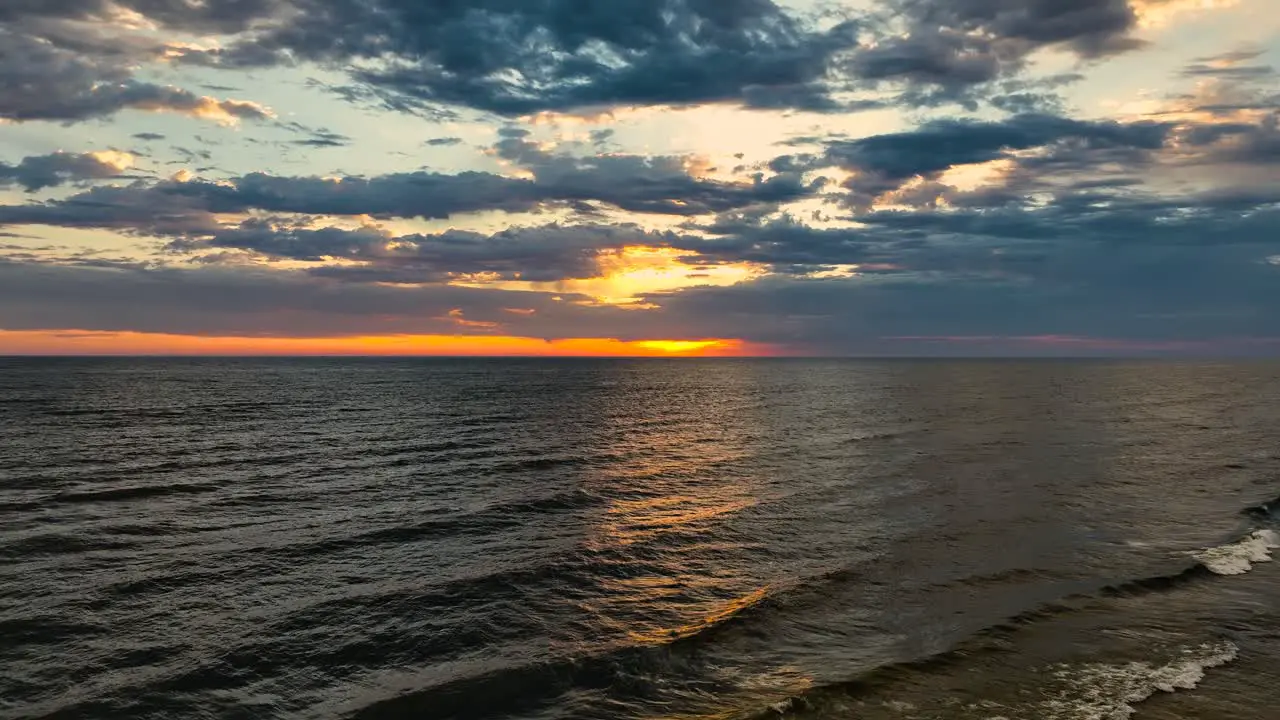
44, 171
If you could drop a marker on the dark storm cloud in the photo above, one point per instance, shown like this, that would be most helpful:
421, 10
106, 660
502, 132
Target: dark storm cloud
521, 57
513, 58
38, 172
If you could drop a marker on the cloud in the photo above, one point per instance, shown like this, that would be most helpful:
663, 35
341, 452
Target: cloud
1103, 262
201, 18
43, 171
1227, 122
947, 51
70, 76
636, 184
1079, 288
534, 254
519, 59
522, 58
882, 164
324, 139
1230, 66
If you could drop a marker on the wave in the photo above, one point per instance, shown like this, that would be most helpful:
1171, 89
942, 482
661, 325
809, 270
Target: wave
624, 669
486, 521
1264, 511
24, 548
1111, 691
542, 463
41, 629
131, 493
1099, 690
634, 670
1238, 557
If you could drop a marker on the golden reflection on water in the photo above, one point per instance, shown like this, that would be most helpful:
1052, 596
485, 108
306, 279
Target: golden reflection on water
629, 521
713, 618
682, 477
672, 533
768, 689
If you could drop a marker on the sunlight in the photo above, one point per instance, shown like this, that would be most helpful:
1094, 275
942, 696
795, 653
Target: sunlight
89, 342
627, 275
1159, 13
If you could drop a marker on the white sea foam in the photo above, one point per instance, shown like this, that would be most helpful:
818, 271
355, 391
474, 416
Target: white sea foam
1109, 692
1238, 558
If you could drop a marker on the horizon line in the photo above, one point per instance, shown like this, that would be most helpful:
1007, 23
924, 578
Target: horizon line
675, 357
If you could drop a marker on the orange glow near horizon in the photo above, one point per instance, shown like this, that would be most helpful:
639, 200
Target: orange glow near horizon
80, 342
631, 272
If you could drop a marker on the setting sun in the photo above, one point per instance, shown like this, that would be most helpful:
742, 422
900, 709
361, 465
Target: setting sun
130, 343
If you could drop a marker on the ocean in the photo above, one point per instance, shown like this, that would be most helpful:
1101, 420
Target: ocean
676, 539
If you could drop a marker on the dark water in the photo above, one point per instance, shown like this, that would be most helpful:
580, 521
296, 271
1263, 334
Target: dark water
638, 539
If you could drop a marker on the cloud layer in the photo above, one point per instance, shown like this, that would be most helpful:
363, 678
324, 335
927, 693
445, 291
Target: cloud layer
890, 177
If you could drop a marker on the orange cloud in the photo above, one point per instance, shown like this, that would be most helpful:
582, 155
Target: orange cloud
456, 317
79, 342
1158, 13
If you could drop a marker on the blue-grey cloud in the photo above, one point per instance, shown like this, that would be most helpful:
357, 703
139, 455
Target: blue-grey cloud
946, 51
538, 254
54, 79
883, 163
38, 172
517, 58
632, 183
1095, 261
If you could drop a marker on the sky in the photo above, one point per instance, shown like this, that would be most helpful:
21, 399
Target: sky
640, 177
